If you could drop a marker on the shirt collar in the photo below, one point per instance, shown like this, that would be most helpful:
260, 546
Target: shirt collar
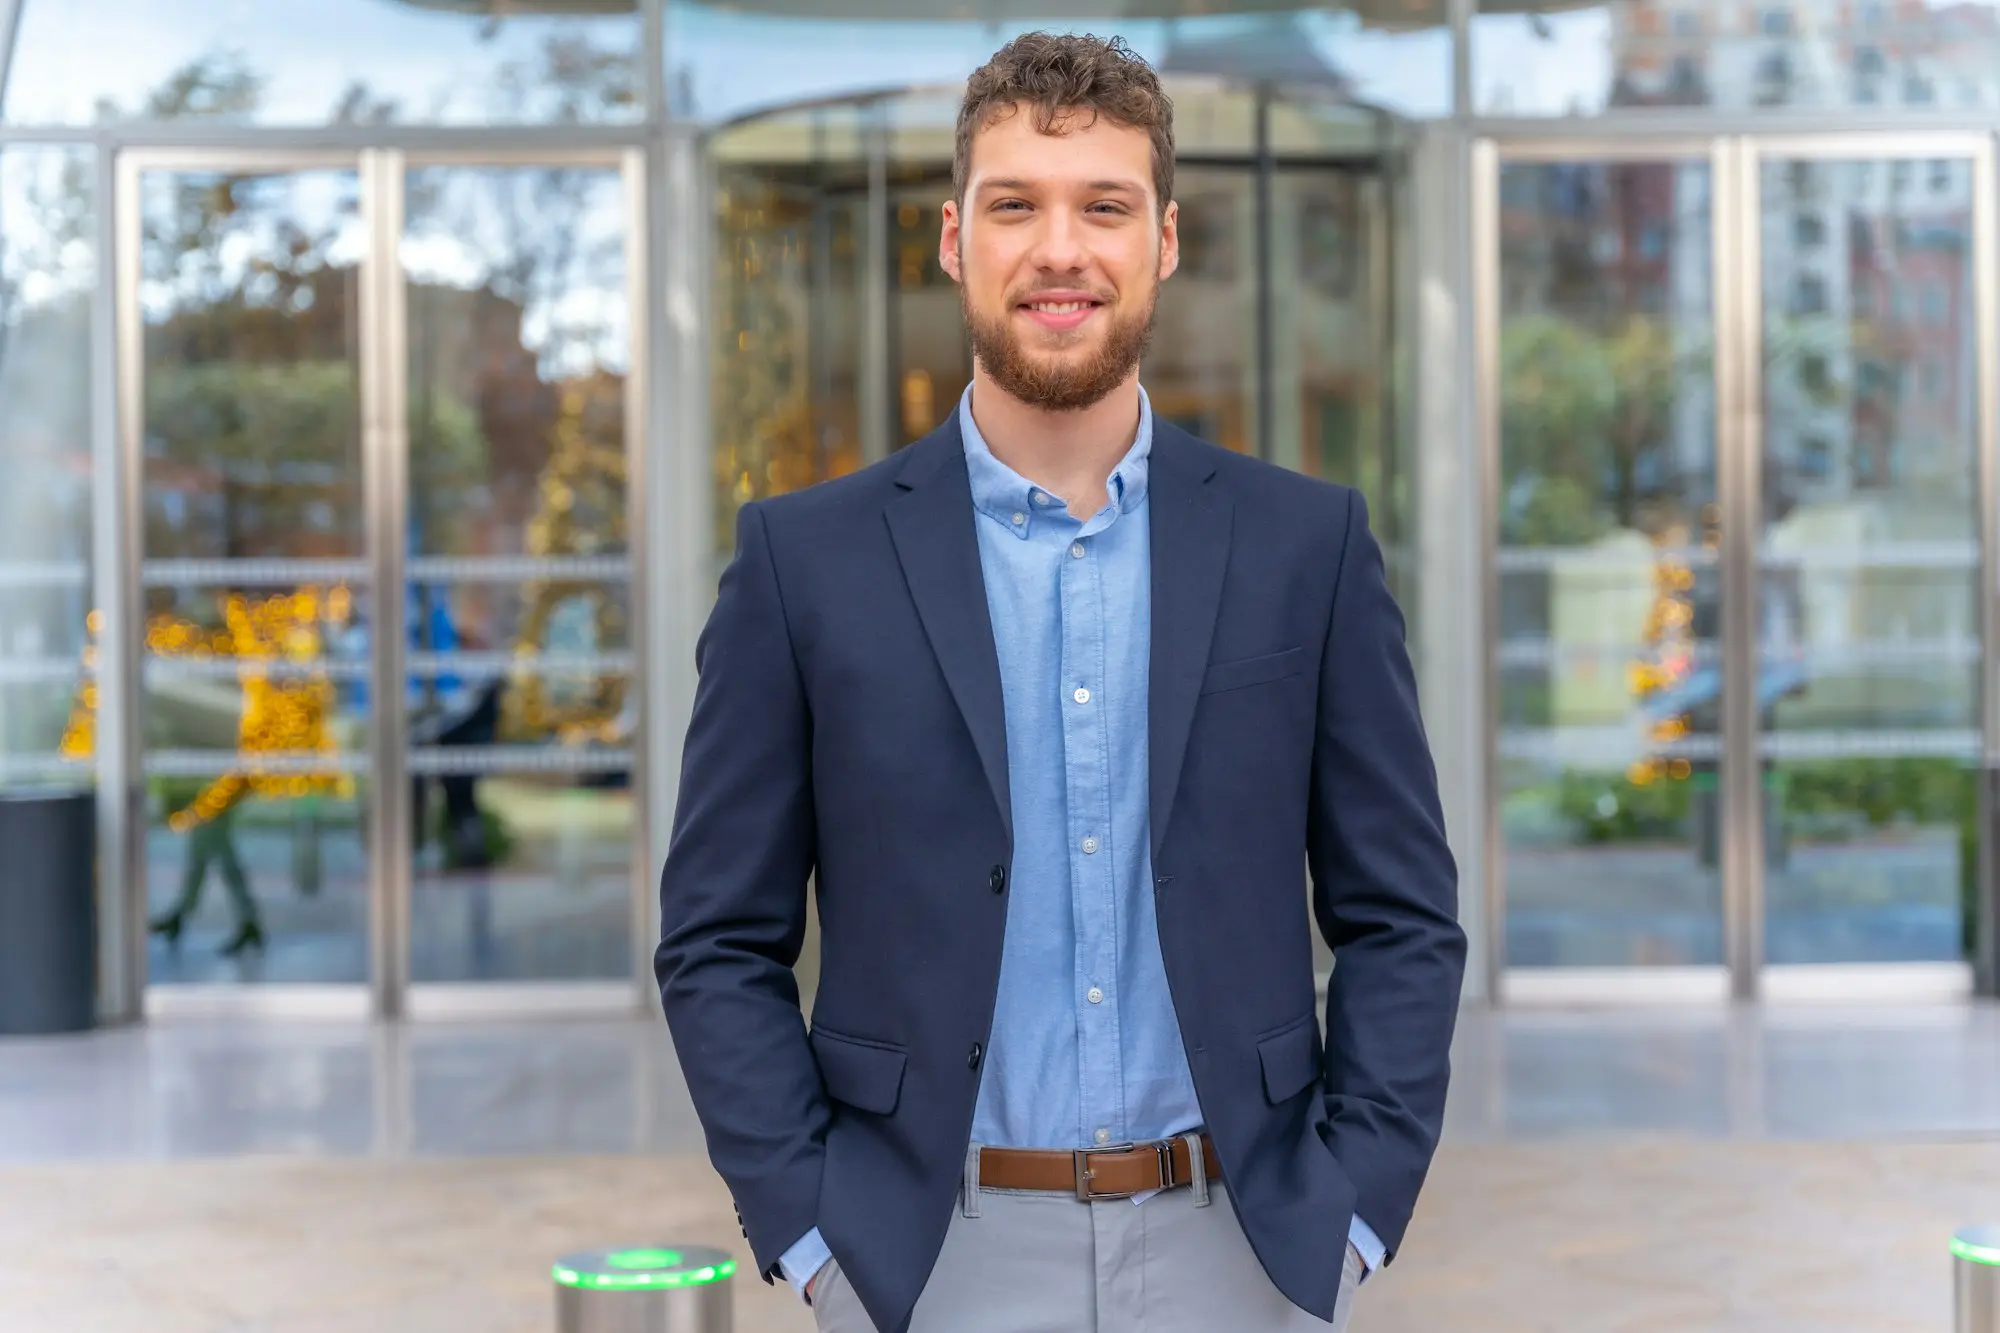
1004, 495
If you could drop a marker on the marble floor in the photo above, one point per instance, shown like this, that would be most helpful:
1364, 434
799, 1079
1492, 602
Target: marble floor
1783, 1170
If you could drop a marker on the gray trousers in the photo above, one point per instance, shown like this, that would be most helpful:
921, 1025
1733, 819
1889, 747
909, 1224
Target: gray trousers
1022, 1262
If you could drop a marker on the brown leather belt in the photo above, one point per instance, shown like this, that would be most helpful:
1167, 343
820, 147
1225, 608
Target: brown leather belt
1097, 1173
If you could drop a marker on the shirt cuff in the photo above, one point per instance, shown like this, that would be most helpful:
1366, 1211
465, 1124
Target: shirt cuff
1367, 1244
801, 1263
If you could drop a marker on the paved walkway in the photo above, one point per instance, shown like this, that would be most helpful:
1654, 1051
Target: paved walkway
1776, 1170
1658, 1237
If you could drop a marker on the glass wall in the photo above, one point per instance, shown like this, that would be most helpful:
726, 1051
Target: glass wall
726, 61
834, 338
49, 272
315, 62
1854, 55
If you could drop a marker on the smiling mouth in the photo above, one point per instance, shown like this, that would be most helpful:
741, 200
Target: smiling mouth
1061, 317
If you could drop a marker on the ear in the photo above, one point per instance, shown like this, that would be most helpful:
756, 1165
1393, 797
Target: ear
1170, 241
948, 242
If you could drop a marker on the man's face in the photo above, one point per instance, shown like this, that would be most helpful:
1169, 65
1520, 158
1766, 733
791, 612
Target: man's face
1059, 250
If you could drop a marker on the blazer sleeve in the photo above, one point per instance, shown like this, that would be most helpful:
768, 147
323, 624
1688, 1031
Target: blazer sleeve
733, 907
1385, 894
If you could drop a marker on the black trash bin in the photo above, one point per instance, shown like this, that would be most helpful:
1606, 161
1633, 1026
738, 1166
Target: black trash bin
48, 911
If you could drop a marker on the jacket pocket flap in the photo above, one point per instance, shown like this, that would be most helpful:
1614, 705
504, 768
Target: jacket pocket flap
1248, 671
1291, 1060
865, 1075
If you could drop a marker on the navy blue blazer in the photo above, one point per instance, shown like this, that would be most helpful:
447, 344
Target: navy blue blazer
848, 728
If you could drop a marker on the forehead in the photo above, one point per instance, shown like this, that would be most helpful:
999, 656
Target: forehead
1081, 149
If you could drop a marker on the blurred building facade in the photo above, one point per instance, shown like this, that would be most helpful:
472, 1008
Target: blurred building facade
1659, 336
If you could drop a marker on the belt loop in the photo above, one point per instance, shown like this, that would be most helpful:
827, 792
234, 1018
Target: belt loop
969, 1189
1197, 1170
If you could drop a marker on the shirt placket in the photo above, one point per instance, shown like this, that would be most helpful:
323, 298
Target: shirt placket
1093, 843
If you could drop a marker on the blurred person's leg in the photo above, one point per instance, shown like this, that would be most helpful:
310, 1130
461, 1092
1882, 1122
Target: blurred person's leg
249, 929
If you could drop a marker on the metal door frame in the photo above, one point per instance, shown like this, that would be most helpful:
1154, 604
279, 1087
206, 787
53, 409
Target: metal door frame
1735, 251
383, 371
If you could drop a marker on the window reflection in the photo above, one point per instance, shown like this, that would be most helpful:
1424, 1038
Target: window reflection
520, 697
48, 268
726, 61
1868, 636
305, 62
1676, 53
1608, 580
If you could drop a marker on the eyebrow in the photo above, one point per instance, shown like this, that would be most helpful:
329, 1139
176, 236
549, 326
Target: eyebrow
1102, 186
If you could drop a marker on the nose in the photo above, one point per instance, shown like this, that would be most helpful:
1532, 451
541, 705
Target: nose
1059, 243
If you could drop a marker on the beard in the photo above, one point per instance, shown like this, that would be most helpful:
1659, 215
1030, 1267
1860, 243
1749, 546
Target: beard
1059, 379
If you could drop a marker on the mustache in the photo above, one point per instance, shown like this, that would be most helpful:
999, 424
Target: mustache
1036, 293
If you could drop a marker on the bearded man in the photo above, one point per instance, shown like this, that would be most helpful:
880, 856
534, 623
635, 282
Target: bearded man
1059, 710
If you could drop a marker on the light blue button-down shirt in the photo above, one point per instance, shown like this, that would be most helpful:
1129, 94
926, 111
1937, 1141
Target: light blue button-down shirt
1085, 1048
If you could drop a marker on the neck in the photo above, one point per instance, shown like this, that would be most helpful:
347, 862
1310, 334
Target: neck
1070, 454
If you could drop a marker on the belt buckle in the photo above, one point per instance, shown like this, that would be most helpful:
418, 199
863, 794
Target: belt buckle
1085, 1193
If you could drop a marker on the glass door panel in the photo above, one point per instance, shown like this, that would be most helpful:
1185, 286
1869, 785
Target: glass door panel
1609, 675
790, 303
521, 699
1200, 369
928, 352
255, 588
1868, 650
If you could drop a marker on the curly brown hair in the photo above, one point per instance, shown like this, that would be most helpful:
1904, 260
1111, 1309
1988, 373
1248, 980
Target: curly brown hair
1058, 76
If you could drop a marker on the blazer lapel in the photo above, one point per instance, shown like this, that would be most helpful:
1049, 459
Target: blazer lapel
932, 526
1190, 523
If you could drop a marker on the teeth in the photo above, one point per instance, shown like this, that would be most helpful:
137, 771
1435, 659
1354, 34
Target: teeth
1059, 307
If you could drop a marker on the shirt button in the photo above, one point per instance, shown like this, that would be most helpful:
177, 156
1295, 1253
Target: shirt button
1090, 846
1096, 996
1042, 498
972, 1060
1082, 696
997, 881
1103, 1136
1019, 519
1076, 550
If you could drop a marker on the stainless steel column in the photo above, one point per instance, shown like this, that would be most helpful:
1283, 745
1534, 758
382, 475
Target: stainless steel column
1975, 1280
686, 1289
1736, 228
1986, 298
385, 488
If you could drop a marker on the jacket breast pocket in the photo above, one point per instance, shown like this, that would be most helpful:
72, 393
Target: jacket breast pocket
1291, 1059
865, 1075
1248, 671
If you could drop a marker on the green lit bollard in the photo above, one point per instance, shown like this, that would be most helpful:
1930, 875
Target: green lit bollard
1975, 1262
685, 1289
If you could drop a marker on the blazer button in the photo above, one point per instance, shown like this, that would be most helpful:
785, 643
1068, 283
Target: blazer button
997, 881
972, 1061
